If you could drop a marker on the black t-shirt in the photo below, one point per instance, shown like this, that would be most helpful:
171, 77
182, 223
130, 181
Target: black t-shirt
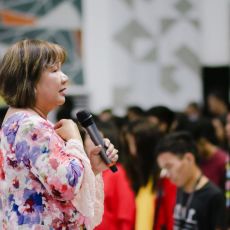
206, 210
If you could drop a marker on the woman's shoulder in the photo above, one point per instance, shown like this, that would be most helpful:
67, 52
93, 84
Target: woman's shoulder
22, 123
24, 118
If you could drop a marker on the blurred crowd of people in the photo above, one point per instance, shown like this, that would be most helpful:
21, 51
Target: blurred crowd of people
174, 167
173, 170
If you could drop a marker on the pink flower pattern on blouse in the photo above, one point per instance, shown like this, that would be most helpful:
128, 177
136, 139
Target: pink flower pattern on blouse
41, 176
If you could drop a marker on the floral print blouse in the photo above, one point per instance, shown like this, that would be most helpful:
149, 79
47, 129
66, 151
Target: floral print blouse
46, 183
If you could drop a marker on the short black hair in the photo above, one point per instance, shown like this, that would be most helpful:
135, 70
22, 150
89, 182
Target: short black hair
178, 143
163, 113
204, 128
136, 109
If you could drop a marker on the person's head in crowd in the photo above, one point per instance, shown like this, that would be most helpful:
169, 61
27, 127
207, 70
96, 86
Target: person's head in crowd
105, 115
218, 108
183, 123
141, 138
219, 126
134, 113
205, 135
161, 116
177, 154
227, 129
217, 105
193, 111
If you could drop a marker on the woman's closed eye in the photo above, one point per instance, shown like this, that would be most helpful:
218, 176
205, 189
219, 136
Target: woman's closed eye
54, 69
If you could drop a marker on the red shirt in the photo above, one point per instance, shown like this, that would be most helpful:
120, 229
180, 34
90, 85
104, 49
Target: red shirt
214, 167
119, 205
165, 204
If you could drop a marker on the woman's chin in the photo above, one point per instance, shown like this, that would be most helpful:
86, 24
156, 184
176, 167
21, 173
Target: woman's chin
61, 100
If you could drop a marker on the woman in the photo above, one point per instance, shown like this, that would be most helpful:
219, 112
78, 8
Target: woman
119, 204
49, 181
154, 194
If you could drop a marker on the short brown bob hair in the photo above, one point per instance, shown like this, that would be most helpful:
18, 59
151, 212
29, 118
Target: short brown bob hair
21, 68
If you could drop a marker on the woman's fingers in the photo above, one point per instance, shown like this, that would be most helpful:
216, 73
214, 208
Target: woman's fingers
113, 156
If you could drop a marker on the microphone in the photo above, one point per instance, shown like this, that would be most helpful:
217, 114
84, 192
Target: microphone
86, 121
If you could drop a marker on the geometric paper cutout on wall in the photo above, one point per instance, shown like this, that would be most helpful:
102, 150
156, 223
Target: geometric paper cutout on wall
166, 24
151, 56
167, 81
183, 6
12, 18
188, 57
128, 2
195, 23
54, 20
40, 20
66, 38
32, 7
127, 36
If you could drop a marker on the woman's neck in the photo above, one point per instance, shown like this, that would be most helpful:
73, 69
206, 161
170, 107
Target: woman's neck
40, 112
34, 110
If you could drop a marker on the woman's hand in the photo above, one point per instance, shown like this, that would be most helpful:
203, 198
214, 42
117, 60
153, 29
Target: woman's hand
67, 129
93, 151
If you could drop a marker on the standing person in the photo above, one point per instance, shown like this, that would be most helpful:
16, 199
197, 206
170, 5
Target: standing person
212, 157
119, 204
154, 196
199, 203
50, 182
163, 117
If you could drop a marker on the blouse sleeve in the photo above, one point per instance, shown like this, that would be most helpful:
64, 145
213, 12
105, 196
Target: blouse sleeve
49, 158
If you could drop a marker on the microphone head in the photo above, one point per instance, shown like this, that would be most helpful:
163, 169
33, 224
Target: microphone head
84, 118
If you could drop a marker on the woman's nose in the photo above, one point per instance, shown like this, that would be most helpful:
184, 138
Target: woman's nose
65, 78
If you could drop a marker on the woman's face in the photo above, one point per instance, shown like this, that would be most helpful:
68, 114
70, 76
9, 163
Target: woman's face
50, 90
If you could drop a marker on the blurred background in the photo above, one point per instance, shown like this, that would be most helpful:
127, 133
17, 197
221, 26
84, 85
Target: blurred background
130, 52
164, 60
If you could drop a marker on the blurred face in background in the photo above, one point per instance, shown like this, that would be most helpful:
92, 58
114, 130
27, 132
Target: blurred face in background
161, 125
192, 112
213, 104
177, 168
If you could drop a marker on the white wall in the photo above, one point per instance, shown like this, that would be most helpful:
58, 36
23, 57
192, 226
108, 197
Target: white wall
215, 32
150, 52
96, 53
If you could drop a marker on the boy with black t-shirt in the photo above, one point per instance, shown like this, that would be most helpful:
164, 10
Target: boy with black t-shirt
200, 205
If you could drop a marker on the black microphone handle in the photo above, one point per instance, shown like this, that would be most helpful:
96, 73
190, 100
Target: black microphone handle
97, 140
